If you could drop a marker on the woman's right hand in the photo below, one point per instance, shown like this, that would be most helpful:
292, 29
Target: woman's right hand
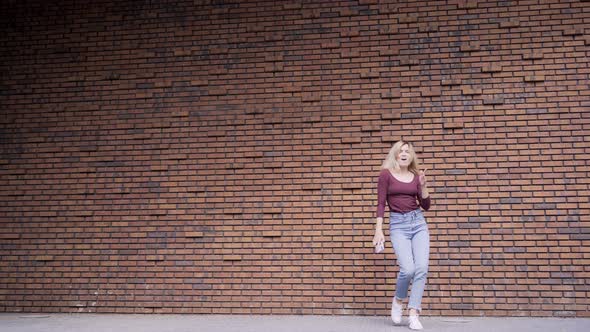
379, 237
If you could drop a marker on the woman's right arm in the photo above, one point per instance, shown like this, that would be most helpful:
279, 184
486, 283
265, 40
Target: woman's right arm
381, 201
379, 237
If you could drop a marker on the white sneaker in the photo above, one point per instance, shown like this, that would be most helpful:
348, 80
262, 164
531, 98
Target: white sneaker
415, 323
396, 312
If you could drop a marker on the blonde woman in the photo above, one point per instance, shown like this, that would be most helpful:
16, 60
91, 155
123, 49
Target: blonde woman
404, 188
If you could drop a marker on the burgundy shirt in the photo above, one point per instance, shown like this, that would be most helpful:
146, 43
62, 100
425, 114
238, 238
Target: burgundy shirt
401, 196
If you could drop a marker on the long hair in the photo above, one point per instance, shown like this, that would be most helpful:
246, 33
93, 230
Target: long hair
390, 161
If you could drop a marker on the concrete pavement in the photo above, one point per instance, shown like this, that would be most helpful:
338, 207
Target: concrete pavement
25, 322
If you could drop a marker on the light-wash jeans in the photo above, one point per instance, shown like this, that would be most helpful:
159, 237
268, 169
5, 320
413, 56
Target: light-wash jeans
411, 242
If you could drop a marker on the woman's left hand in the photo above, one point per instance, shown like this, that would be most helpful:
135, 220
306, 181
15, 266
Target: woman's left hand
422, 178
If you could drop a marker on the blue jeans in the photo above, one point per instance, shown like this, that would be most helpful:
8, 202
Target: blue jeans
411, 242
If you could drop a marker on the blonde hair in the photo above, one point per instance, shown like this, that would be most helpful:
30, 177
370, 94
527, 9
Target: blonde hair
391, 159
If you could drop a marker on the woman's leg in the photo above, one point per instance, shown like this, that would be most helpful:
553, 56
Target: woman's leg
402, 244
421, 249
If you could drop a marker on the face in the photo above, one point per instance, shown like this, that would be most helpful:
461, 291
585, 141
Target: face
404, 158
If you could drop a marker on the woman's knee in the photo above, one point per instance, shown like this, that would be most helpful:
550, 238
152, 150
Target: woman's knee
407, 271
421, 270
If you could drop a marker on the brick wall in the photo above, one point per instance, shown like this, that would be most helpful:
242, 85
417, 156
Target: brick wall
222, 156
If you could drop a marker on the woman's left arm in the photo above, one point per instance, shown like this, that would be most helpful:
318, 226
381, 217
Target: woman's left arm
424, 196
423, 183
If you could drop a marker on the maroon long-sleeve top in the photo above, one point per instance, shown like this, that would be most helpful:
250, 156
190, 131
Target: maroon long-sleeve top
401, 196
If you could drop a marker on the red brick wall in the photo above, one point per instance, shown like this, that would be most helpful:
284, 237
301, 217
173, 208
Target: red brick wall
222, 156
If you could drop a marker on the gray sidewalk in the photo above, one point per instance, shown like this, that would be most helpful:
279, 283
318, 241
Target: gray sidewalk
241, 323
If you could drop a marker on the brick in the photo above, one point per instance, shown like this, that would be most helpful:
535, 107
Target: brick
534, 78
218, 50
351, 140
450, 82
412, 115
272, 234
408, 61
369, 74
217, 91
388, 29
535, 54
410, 84
389, 51
182, 52
9, 236
469, 90
88, 148
113, 76
232, 258
427, 27
352, 185
471, 46
452, 124
44, 258
312, 14
292, 6
275, 164
491, 68
391, 94
493, 100
407, 18
330, 44
311, 186
512, 23
351, 96
273, 37
274, 67
430, 92
467, 4
254, 27
371, 128
309, 97
345, 12
273, 57
194, 234
393, 115
349, 53
231, 211
350, 33
573, 31
312, 119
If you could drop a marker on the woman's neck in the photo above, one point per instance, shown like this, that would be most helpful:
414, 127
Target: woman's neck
403, 170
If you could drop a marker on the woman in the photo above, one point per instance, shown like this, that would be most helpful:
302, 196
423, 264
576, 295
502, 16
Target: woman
405, 189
